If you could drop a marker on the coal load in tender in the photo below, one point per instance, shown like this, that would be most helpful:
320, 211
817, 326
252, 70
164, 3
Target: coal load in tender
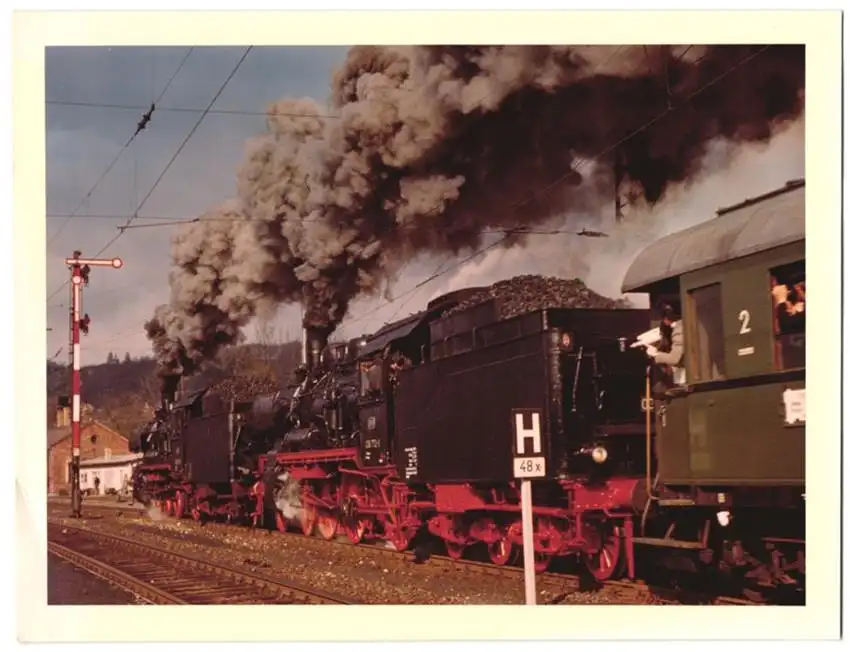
529, 292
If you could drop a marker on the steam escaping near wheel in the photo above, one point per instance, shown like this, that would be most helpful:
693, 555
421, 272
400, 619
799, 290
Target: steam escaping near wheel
428, 149
155, 513
287, 497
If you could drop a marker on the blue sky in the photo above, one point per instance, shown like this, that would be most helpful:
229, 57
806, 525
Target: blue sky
83, 140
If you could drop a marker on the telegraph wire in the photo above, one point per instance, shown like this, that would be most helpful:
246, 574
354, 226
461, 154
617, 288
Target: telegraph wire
118, 155
168, 165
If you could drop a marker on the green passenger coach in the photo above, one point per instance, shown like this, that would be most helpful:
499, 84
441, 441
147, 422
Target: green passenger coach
730, 434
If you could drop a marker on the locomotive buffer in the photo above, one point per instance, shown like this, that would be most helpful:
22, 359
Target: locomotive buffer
528, 462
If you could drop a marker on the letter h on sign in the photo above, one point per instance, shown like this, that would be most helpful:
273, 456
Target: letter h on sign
523, 434
529, 461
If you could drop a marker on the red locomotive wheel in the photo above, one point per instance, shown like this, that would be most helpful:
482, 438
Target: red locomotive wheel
169, 507
454, 549
605, 563
500, 551
401, 541
356, 532
308, 520
541, 562
327, 526
280, 521
197, 515
180, 505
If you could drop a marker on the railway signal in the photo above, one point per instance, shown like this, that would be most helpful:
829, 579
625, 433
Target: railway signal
529, 462
80, 269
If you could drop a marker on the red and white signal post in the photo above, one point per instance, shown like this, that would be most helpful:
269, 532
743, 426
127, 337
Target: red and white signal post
80, 268
529, 462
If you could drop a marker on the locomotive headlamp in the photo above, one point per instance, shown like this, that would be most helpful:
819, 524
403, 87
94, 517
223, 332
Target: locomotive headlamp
723, 518
599, 454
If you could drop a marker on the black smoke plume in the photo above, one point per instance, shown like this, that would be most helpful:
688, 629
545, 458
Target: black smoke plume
428, 148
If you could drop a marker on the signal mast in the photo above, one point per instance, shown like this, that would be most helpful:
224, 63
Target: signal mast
80, 269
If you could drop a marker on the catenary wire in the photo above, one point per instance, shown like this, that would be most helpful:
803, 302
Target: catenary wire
120, 152
168, 165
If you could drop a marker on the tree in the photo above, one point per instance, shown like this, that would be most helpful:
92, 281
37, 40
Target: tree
127, 357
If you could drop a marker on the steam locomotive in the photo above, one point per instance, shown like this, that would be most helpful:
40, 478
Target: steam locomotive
425, 427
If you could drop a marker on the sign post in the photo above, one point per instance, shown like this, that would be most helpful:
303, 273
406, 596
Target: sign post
80, 268
528, 462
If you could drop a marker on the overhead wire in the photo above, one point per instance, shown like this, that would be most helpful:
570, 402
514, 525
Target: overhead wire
168, 165
118, 155
179, 109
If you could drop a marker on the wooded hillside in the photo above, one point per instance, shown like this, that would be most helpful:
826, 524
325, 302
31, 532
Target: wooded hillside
124, 392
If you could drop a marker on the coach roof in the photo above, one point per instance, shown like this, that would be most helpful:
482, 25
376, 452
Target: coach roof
758, 224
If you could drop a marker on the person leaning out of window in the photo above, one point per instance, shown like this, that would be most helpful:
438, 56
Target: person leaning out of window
670, 353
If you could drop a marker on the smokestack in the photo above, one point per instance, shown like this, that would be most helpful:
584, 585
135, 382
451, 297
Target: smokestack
314, 342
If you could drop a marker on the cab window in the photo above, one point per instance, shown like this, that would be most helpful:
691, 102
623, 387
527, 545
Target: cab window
705, 333
370, 378
788, 293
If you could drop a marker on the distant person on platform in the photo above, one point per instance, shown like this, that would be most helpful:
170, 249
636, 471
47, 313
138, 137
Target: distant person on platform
97, 485
670, 352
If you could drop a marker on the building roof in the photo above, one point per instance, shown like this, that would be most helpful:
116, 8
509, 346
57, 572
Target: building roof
771, 220
113, 460
57, 435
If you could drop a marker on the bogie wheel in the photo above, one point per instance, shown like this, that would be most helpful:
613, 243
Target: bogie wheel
607, 562
500, 551
454, 549
357, 531
399, 538
541, 562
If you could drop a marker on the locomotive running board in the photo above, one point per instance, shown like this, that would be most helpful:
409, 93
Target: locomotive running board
669, 543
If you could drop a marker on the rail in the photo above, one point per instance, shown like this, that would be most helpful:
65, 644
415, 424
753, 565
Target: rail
167, 577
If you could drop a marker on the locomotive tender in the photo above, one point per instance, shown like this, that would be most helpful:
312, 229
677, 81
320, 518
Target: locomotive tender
413, 430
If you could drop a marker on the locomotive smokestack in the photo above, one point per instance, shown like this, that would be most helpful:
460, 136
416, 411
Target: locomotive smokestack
313, 343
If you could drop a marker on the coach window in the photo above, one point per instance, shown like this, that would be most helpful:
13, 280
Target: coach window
788, 290
707, 352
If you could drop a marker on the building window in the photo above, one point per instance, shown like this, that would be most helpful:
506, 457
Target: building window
707, 351
107, 453
67, 469
788, 290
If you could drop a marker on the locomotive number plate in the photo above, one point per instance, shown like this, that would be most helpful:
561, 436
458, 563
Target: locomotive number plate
529, 467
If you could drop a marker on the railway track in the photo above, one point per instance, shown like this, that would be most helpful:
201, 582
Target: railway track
556, 584
165, 577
